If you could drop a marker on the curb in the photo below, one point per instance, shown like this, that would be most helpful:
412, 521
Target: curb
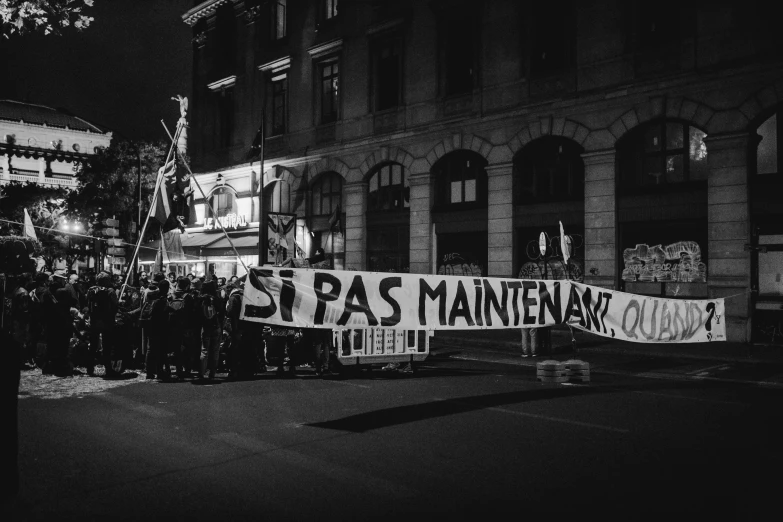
512, 348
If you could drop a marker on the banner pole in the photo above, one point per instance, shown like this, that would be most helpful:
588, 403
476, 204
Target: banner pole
206, 200
152, 209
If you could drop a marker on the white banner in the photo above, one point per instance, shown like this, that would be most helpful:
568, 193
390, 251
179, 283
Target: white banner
304, 298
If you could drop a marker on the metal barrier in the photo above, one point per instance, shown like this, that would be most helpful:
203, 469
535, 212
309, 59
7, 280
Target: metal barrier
381, 345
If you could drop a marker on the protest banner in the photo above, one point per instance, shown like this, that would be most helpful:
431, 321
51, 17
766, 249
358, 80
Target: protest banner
304, 298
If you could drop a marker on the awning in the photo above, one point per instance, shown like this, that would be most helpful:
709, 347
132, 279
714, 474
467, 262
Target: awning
246, 245
195, 239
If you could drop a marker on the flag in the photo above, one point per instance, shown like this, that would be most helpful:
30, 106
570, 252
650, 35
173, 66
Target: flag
172, 246
257, 148
29, 229
334, 219
565, 244
173, 205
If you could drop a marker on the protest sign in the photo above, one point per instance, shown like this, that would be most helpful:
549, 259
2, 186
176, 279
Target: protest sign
307, 298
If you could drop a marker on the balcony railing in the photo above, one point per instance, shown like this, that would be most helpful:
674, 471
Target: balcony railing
61, 182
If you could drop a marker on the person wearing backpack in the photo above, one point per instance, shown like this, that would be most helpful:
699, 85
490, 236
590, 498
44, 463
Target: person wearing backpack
154, 319
102, 303
233, 309
181, 331
210, 310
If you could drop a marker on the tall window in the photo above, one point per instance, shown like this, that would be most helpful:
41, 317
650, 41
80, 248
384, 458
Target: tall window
460, 53
326, 194
329, 9
329, 91
552, 31
550, 169
461, 178
278, 19
223, 201
277, 197
769, 151
223, 117
389, 189
387, 66
662, 154
226, 39
277, 104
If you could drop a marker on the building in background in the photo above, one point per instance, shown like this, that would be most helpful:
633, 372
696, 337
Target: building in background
445, 136
42, 145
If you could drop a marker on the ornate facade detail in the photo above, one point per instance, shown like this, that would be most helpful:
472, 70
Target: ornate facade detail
200, 39
253, 14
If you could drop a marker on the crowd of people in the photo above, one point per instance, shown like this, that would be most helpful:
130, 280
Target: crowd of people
170, 327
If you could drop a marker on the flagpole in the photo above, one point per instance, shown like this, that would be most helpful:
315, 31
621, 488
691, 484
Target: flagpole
152, 208
209, 205
261, 218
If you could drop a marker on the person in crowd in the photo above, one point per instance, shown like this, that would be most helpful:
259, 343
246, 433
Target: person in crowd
233, 309
233, 280
172, 277
181, 336
210, 310
80, 337
74, 288
103, 305
57, 310
16, 316
37, 317
154, 319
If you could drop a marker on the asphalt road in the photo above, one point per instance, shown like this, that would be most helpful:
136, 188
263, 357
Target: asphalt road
458, 440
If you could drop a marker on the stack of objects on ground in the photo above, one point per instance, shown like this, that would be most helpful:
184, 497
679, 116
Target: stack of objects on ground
570, 371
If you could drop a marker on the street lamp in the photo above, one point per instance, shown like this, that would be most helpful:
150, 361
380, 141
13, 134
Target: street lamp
69, 228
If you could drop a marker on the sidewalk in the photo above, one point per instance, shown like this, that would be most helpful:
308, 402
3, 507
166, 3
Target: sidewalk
508, 341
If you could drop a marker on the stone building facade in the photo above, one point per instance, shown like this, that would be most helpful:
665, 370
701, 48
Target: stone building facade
42, 145
445, 136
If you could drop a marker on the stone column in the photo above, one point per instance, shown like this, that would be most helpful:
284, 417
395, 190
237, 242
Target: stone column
41, 170
6, 166
500, 220
356, 225
728, 265
601, 263
421, 218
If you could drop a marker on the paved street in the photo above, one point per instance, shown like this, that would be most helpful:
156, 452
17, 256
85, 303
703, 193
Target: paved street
461, 437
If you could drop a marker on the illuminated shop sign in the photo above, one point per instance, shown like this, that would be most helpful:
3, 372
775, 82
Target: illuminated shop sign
229, 222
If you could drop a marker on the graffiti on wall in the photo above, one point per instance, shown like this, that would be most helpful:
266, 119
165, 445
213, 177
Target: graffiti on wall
553, 269
678, 262
456, 264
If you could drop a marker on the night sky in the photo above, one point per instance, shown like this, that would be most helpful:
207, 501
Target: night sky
119, 73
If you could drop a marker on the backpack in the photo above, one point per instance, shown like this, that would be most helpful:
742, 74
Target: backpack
100, 305
208, 308
152, 313
178, 313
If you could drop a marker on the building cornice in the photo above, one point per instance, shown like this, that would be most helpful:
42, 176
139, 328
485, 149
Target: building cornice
325, 48
203, 10
229, 81
22, 123
276, 65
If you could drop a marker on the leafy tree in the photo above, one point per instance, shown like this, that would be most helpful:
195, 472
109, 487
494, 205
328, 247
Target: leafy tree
49, 16
108, 183
46, 206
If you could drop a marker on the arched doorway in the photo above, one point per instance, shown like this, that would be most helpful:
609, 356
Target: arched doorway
460, 213
327, 220
388, 219
549, 179
766, 186
662, 210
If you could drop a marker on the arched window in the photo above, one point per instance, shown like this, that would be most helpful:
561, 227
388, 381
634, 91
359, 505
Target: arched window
461, 179
277, 197
550, 169
389, 189
662, 154
768, 151
326, 194
223, 201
